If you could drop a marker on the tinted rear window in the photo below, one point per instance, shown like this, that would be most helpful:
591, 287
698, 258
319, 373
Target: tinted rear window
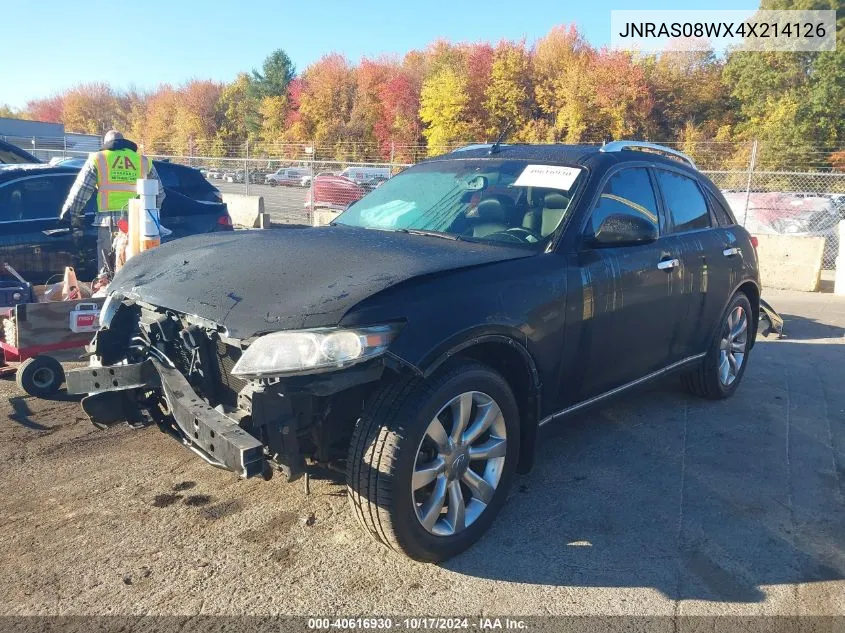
684, 201
722, 216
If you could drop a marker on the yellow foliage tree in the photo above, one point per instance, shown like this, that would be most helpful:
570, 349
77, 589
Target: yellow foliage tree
443, 103
509, 94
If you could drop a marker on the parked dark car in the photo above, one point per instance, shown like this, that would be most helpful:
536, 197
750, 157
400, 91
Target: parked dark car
38, 245
14, 155
430, 331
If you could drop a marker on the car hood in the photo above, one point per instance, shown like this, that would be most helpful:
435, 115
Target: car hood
254, 282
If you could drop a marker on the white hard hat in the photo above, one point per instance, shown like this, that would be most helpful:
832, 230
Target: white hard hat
111, 135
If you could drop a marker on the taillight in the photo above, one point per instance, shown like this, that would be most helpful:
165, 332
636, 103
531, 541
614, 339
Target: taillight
225, 220
754, 241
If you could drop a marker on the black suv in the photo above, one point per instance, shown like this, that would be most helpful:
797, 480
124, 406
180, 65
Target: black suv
429, 332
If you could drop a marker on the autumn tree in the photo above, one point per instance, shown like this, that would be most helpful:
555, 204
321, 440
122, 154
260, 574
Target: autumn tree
443, 106
368, 110
562, 61
92, 108
7, 111
477, 66
510, 93
159, 120
328, 91
621, 98
240, 116
49, 109
790, 100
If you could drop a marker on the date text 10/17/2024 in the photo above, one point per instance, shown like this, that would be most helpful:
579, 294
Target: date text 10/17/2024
417, 623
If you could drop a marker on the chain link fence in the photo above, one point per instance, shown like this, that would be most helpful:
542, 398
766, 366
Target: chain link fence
771, 188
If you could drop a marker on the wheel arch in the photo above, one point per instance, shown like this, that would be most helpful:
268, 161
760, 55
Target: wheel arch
514, 362
751, 290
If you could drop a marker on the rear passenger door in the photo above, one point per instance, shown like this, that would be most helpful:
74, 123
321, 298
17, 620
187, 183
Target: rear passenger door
631, 293
706, 262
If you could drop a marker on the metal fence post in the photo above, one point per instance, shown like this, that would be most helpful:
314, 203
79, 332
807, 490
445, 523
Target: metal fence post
246, 166
311, 182
751, 165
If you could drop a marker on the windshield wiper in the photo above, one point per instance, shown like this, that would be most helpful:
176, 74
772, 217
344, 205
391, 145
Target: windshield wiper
445, 236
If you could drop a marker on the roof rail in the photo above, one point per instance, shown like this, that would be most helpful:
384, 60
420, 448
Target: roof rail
618, 146
473, 146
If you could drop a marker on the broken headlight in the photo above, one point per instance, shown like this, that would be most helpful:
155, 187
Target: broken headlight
303, 351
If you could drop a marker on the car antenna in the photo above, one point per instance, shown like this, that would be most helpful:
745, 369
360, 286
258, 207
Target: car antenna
494, 149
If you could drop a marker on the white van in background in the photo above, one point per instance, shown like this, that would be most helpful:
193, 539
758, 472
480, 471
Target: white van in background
359, 175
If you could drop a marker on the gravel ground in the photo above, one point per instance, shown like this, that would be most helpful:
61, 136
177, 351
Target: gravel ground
659, 504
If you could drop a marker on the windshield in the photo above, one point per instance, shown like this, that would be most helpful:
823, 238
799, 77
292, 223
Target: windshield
491, 200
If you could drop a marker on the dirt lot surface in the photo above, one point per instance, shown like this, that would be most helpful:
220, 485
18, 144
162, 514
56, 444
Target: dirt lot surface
658, 504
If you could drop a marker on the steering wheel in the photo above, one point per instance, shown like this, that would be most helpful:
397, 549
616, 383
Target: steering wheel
519, 234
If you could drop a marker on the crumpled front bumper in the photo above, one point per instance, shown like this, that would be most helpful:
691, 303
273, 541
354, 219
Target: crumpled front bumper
214, 436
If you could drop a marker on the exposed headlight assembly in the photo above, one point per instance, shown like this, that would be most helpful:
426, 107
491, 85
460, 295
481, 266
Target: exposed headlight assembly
305, 351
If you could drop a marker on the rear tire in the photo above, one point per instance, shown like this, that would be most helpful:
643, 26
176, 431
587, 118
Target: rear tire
393, 448
40, 376
723, 367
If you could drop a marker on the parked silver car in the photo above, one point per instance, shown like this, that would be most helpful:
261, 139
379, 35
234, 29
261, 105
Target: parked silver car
287, 176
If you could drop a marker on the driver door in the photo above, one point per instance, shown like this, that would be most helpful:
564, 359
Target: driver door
631, 294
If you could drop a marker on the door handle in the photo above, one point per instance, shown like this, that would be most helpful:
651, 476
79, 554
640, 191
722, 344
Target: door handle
668, 264
730, 252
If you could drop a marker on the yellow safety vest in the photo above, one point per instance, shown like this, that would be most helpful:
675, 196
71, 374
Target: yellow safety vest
117, 173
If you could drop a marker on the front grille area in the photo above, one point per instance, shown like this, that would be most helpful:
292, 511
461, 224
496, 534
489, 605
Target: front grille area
228, 385
219, 386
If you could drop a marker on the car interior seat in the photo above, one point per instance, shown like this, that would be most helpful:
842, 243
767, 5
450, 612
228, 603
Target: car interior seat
546, 209
491, 215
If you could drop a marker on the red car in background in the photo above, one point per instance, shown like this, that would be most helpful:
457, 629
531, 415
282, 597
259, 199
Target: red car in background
334, 192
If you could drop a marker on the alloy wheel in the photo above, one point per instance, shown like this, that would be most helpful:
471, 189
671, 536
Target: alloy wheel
733, 346
459, 463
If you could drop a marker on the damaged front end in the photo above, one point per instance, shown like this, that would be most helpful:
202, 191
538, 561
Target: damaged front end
150, 364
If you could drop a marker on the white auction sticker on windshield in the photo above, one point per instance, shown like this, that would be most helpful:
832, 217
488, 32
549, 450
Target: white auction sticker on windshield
548, 176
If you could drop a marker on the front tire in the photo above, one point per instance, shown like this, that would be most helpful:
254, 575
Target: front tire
431, 461
724, 365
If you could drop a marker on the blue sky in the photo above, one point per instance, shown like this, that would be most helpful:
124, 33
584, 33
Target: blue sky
59, 43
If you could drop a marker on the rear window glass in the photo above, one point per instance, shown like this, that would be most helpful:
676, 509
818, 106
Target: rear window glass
167, 176
684, 201
723, 218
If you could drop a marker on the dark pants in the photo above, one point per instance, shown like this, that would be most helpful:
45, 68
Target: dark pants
104, 240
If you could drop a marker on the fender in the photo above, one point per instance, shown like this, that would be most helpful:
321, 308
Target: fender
503, 335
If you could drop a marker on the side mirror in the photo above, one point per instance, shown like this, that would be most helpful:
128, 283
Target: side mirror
624, 230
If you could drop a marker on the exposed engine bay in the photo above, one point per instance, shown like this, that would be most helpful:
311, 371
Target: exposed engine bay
153, 365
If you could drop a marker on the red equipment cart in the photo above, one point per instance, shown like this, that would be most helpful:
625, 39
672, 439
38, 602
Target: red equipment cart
35, 337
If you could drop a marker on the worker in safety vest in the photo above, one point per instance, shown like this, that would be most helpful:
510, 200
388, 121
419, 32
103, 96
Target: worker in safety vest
112, 172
